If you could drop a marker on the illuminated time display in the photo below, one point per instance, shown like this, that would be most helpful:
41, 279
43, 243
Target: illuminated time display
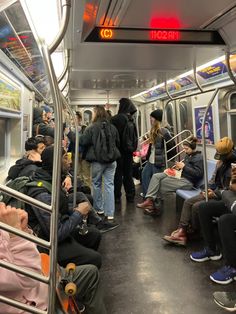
155, 36
164, 35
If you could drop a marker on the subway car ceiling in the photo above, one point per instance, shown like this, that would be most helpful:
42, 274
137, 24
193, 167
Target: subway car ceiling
125, 69
101, 70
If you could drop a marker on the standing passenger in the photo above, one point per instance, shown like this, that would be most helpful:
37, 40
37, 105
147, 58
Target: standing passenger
101, 140
155, 156
124, 170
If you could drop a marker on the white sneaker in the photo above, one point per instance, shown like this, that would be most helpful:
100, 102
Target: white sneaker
100, 212
110, 217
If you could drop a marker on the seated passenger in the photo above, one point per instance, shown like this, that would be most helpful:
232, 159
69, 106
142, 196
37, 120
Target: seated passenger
27, 165
156, 153
161, 183
72, 247
226, 211
40, 125
219, 181
23, 253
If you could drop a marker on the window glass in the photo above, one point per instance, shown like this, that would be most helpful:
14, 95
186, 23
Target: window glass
87, 117
233, 101
3, 142
233, 127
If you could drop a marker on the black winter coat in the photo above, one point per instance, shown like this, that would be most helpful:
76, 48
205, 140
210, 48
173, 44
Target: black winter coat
88, 140
23, 168
193, 169
120, 120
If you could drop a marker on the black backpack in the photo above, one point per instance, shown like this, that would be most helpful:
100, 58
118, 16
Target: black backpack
105, 146
129, 136
22, 184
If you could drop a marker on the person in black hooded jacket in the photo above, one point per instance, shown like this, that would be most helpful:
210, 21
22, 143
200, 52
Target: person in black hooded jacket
72, 246
26, 166
124, 169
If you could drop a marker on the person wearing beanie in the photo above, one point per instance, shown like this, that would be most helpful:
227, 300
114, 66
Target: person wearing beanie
72, 246
156, 153
124, 169
220, 180
40, 124
161, 183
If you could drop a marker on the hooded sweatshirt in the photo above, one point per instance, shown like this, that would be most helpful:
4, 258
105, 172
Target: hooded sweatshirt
126, 108
24, 167
23, 253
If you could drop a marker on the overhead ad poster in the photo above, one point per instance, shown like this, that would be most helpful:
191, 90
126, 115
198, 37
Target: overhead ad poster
209, 127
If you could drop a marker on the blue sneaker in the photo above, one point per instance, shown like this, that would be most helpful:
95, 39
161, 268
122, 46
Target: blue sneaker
224, 275
205, 255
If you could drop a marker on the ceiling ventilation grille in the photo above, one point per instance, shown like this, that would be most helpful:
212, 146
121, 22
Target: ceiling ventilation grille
111, 12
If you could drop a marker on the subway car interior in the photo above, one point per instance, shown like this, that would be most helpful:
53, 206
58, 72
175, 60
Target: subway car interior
171, 67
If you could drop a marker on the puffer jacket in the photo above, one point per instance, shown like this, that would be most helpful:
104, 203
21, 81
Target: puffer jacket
159, 148
193, 169
23, 253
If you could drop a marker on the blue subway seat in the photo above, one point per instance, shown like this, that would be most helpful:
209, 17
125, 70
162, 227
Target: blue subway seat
186, 194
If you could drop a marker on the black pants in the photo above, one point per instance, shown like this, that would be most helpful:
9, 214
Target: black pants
124, 174
207, 211
80, 249
227, 228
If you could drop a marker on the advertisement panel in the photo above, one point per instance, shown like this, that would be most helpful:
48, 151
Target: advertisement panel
209, 126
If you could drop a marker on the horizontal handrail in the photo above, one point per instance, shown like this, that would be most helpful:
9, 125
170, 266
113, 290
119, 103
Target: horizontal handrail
27, 199
24, 271
21, 306
25, 235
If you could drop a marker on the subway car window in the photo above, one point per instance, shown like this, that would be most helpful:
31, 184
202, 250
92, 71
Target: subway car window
169, 113
233, 127
87, 117
139, 122
3, 156
233, 102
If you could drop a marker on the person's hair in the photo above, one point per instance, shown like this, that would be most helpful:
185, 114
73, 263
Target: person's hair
100, 113
48, 140
32, 142
155, 131
78, 114
191, 142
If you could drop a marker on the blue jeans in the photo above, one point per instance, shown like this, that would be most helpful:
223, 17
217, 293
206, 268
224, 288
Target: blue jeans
103, 200
147, 174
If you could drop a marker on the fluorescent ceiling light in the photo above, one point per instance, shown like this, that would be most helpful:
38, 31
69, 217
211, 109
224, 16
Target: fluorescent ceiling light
45, 17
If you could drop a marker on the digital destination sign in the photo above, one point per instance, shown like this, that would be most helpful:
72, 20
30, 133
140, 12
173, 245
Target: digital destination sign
155, 36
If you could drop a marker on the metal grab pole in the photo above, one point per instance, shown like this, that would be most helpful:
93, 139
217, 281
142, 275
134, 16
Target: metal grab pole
66, 6
204, 143
67, 57
56, 177
76, 150
25, 235
22, 306
25, 198
24, 271
195, 72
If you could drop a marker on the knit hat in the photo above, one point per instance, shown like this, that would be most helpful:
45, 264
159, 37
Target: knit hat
157, 114
46, 108
223, 147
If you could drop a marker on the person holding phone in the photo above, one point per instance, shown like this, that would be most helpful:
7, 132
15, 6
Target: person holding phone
225, 154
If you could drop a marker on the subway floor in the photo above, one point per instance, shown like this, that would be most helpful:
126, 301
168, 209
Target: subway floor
141, 273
